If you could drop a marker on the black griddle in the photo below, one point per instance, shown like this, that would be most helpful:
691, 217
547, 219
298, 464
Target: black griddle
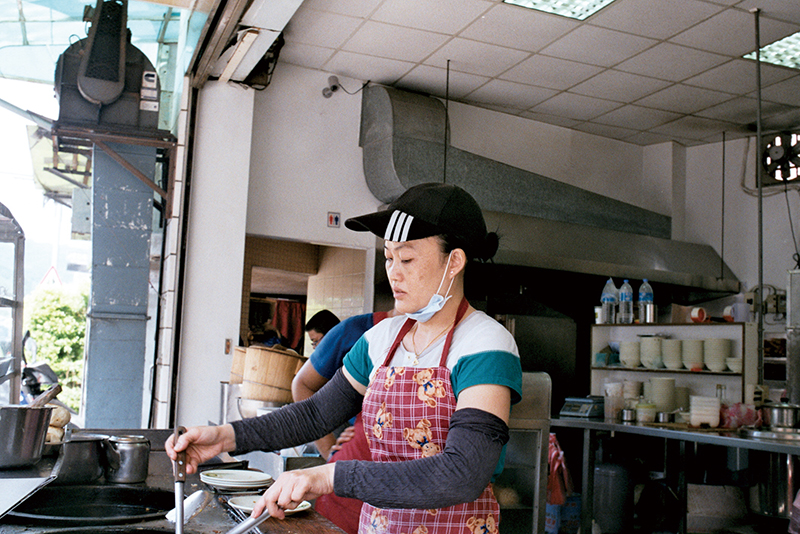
93, 505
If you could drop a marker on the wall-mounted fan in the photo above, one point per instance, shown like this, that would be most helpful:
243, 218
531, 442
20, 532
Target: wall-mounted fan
780, 157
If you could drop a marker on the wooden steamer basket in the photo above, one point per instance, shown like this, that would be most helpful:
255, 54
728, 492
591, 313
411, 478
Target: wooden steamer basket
237, 367
268, 373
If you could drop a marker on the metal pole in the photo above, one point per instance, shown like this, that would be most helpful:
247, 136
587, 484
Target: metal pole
760, 294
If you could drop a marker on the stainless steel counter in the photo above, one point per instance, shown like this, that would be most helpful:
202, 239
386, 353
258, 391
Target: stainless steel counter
213, 517
721, 437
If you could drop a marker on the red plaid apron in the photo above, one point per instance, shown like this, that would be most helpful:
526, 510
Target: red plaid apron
406, 416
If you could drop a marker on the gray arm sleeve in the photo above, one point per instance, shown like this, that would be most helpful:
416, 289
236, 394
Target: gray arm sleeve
300, 422
456, 475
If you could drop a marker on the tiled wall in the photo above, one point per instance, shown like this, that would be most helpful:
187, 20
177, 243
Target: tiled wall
338, 285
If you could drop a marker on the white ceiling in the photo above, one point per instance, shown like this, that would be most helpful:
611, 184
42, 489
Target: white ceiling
641, 71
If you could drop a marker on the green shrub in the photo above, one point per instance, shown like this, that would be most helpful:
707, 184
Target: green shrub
56, 318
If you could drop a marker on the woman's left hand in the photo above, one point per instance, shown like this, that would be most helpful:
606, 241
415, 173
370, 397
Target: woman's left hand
293, 487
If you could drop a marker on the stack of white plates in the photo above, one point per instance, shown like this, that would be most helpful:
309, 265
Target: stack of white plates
704, 410
236, 479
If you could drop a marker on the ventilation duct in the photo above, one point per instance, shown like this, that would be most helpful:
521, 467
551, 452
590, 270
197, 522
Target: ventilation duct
543, 223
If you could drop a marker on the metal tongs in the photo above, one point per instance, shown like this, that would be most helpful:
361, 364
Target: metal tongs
179, 470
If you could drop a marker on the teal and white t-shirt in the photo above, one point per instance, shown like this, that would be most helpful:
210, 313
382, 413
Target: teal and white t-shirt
482, 352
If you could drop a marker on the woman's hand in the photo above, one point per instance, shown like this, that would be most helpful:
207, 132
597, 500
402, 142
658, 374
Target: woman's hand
294, 487
201, 443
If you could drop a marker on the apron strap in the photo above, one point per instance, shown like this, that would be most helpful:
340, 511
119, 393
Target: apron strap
409, 324
462, 309
399, 339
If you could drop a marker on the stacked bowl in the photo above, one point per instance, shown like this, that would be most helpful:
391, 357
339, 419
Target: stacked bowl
716, 352
704, 410
692, 354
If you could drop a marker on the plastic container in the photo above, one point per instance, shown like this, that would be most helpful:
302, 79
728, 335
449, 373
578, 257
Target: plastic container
626, 303
608, 301
646, 413
613, 498
645, 298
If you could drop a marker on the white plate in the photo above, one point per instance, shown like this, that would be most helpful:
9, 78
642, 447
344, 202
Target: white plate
245, 503
235, 478
305, 505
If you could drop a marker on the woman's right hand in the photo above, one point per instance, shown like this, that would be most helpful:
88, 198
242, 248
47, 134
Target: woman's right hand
201, 443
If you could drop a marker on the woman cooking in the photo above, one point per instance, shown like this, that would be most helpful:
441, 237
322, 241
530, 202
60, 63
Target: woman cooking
436, 384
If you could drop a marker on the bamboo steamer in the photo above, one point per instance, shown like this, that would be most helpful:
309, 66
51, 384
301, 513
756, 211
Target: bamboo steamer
268, 373
237, 368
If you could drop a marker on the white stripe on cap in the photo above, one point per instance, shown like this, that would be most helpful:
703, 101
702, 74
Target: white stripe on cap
398, 227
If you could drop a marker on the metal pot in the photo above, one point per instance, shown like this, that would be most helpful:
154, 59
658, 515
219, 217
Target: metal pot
81, 460
23, 430
127, 459
776, 483
781, 415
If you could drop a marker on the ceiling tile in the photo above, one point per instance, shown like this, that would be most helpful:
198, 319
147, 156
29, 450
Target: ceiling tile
353, 8
433, 80
475, 58
598, 46
648, 138
619, 86
732, 33
683, 99
516, 95
739, 76
671, 62
442, 16
637, 117
501, 109
518, 27
779, 9
785, 92
374, 69
393, 42
312, 57
550, 72
696, 128
574, 106
318, 28
659, 19
556, 120
603, 130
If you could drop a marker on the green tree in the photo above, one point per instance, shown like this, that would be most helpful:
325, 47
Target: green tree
56, 318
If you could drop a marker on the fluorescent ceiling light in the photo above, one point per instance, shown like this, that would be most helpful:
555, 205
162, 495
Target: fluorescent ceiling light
785, 52
574, 9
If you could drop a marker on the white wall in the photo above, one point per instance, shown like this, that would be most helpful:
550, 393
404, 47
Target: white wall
215, 248
306, 161
704, 212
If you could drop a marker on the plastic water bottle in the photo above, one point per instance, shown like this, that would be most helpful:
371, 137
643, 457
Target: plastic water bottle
645, 298
608, 299
626, 303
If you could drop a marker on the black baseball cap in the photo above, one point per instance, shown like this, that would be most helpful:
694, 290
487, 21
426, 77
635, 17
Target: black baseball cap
431, 209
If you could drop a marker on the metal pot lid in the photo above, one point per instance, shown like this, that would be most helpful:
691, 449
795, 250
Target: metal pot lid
128, 439
785, 434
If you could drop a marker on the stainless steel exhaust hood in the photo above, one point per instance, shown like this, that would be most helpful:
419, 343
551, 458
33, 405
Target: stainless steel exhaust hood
543, 223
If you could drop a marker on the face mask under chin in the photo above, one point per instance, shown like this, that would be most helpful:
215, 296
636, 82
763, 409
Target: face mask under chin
436, 301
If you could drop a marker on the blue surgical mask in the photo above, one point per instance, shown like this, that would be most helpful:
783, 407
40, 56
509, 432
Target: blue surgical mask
436, 302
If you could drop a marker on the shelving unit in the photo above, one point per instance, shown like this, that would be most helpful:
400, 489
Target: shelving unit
744, 339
